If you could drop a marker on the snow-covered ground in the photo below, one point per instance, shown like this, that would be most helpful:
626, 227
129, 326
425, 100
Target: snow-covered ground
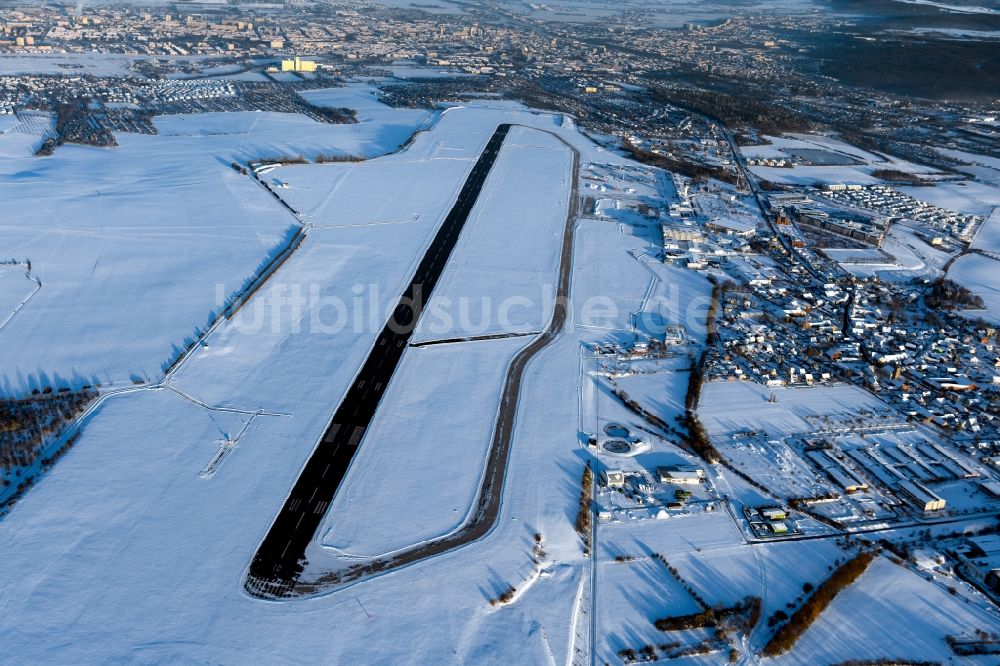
126, 528
661, 393
633, 595
23, 134
857, 168
891, 613
438, 408
912, 252
710, 556
774, 572
394, 126
980, 275
127, 551
15, 288
504, 268
978, 271
134, 245
728, 407
988, 237
967, 196
982, 167
76, 64
129, 245
605, 261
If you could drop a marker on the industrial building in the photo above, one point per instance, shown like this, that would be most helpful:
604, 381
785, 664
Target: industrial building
680, 474
774, 514
873, 234
920, 495
979, 560
837, 471
296, 64
613, 478
743, 227
681, 232
778, 527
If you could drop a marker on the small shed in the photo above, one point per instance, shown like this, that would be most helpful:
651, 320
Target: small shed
778, 528
613, 478
773, 514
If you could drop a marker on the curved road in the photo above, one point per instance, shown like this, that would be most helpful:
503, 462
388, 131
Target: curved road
486, 509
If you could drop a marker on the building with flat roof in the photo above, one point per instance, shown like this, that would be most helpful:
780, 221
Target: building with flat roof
613, 478
681, 232
296, 64
680, 474
774, 514
920, 495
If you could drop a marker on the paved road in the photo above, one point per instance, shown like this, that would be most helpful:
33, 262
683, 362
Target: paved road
486, 509
277, 566
755, 190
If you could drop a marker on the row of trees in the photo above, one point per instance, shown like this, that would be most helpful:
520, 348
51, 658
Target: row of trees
698, 439
639, 410
705, 618
27, 423
584, 514
693, 593
809, 612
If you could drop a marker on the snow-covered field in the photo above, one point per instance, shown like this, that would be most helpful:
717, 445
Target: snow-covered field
504, 268
126, 528
129, 245
980, 275
438, 407
606, 262
392, 126
632, 596
93, 64
23, 134
728, 407
980, 272
891, 613
661, 393
969, 197
913, 253
858, 173
773, 572
134, 245
15, 288
983, 167
988, 237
